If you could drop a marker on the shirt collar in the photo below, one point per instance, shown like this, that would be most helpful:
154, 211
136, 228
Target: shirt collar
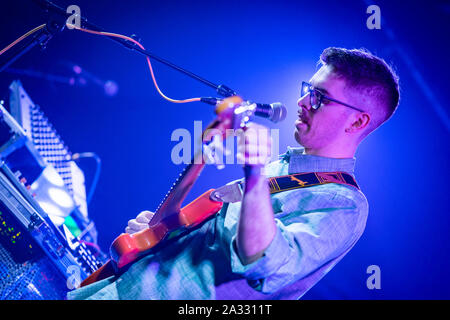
300, 162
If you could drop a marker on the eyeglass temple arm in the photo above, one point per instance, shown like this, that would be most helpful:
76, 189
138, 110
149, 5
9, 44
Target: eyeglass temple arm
347, 105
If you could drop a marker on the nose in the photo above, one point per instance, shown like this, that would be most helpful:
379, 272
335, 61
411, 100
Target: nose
303, 102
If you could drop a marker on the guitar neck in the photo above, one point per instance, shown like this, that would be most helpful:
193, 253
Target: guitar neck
176, 195
173, 200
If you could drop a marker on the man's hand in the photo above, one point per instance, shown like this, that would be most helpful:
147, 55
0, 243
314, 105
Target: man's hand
254, 145
140, 223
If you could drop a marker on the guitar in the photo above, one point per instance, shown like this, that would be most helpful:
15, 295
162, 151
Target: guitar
169, 217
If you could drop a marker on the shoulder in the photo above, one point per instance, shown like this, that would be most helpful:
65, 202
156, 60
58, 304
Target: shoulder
331, 211
346, 195
326, 196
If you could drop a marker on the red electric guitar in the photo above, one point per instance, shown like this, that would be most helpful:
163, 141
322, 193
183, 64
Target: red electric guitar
169, 218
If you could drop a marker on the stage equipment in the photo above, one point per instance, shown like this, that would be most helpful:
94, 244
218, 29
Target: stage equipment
47, 241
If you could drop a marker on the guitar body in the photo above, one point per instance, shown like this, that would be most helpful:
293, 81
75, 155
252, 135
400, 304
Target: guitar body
127, 248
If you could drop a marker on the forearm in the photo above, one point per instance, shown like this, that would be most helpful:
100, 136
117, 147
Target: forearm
256, 226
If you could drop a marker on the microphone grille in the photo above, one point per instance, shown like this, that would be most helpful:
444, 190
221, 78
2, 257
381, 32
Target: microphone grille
279, 112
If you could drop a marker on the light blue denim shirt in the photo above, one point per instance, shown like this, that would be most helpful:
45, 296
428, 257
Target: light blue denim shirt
317, 226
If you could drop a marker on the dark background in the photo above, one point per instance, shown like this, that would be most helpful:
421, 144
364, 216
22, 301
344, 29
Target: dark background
263, 50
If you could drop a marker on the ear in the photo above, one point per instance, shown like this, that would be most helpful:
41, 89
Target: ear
359, 122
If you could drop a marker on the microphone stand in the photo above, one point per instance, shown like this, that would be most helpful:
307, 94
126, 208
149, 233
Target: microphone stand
40, 37
60, 23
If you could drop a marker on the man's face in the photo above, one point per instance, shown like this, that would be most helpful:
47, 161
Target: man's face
317, 129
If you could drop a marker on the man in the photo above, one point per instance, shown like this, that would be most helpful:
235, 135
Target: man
277, 246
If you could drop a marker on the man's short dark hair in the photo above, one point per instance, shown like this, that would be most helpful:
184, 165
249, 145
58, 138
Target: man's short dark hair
369, 76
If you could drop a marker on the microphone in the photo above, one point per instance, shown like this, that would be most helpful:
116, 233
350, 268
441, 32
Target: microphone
275, 112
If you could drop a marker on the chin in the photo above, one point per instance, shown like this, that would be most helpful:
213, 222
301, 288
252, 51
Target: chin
300, 139
309, 141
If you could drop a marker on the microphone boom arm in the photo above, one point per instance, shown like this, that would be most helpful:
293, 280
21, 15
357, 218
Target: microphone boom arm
53, 8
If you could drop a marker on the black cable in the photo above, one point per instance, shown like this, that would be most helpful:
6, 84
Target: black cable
98, 161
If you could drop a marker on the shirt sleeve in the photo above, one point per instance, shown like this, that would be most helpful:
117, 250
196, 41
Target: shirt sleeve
311, 230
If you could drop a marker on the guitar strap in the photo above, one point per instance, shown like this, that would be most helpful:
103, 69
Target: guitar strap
309, 179
233, 192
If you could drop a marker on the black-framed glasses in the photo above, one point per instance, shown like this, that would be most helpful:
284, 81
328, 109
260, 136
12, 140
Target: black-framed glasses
316, 97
